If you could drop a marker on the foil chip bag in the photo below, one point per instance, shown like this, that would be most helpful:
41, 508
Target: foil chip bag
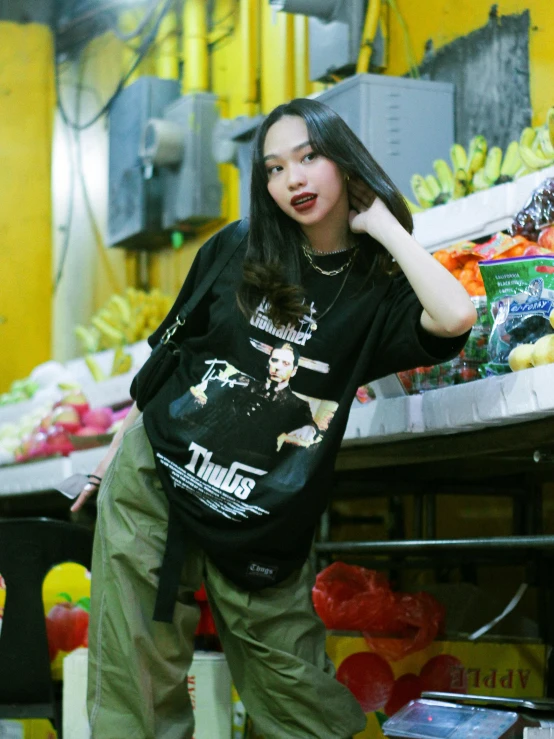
520, 295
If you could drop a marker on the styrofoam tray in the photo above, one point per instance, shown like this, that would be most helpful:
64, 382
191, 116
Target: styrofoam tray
36, 477
516, 397
481, 214
385, 419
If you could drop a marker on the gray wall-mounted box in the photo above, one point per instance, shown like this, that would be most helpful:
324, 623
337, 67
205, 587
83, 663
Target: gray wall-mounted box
405, 123
135, 203
192, 190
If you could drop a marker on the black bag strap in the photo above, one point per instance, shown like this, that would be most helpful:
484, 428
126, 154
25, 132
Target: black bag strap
209, 278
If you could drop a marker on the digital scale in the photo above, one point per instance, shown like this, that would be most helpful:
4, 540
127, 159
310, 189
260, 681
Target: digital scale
495, 718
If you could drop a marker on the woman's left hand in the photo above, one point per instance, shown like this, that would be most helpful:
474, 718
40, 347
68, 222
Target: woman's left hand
369, 214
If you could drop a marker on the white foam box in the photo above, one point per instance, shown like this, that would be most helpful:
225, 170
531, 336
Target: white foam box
481, 214
385, 419
31, 477
209, 684
519, 396
75, 718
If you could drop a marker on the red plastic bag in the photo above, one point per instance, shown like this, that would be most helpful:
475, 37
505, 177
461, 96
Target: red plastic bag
351, 598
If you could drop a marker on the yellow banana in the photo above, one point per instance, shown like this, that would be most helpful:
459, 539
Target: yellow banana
445, 176
527, 137
511, 162
94, 369
122, 362
493, 164
107, 330
480, 181
122, 307
478, 147
433, 185
461, 184
545, 147
523, 171
413, 207
88, 338
421, 191
458, 157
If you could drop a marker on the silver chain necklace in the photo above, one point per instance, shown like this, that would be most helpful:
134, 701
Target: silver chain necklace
332, 272
313, 325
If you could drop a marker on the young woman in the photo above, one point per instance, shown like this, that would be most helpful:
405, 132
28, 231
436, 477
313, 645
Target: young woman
222, 477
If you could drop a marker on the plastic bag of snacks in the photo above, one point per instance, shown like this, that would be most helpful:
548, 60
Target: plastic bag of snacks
520, 293
537, 213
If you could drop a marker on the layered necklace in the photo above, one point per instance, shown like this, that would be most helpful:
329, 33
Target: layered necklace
346, 267
310, 253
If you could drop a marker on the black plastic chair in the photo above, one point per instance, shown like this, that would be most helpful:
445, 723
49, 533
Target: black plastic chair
29, 548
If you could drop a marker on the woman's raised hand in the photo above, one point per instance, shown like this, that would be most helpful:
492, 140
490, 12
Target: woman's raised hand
369, 214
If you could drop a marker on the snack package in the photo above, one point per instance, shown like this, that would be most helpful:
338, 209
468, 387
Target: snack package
520, 294
537, 213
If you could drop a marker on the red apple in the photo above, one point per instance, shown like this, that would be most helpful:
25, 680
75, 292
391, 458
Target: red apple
101, 418
45, 422
67, 417
90, 431
546, 238
75, 398
58, 442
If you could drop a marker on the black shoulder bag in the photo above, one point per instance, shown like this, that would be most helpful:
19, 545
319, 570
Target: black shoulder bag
164, 359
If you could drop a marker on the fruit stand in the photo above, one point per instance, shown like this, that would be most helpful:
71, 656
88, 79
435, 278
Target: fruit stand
494, 432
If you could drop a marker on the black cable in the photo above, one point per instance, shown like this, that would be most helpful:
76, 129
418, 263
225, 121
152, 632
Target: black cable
148, 15
143, 49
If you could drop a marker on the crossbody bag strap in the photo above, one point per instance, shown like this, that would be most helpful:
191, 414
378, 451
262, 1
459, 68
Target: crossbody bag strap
209, 278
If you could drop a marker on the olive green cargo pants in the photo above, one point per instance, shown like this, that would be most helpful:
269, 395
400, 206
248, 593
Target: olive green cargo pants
273, 640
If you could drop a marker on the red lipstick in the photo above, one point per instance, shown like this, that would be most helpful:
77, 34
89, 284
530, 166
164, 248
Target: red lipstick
304, 201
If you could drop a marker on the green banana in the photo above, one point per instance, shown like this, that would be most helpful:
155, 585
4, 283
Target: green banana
421, 191
493, 163
511, 162
458, 157
478, 147
461, 184
445, 176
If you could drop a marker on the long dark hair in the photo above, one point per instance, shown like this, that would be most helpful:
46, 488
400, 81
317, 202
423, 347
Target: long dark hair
272, 267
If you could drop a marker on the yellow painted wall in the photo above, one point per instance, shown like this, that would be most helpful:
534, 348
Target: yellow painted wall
26, 115
444, 20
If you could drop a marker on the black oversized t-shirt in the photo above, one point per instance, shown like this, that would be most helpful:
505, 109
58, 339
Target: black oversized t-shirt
246, 431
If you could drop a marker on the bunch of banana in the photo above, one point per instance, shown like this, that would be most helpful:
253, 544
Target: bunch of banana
536, 145
124, 319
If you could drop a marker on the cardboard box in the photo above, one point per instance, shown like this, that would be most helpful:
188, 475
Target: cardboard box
494, 667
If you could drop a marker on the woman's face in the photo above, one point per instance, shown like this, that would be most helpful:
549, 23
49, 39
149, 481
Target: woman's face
306, 186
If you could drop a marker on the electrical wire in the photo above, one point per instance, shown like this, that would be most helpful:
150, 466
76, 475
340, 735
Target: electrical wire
76, 168
143, 49
69, 215
141, 25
